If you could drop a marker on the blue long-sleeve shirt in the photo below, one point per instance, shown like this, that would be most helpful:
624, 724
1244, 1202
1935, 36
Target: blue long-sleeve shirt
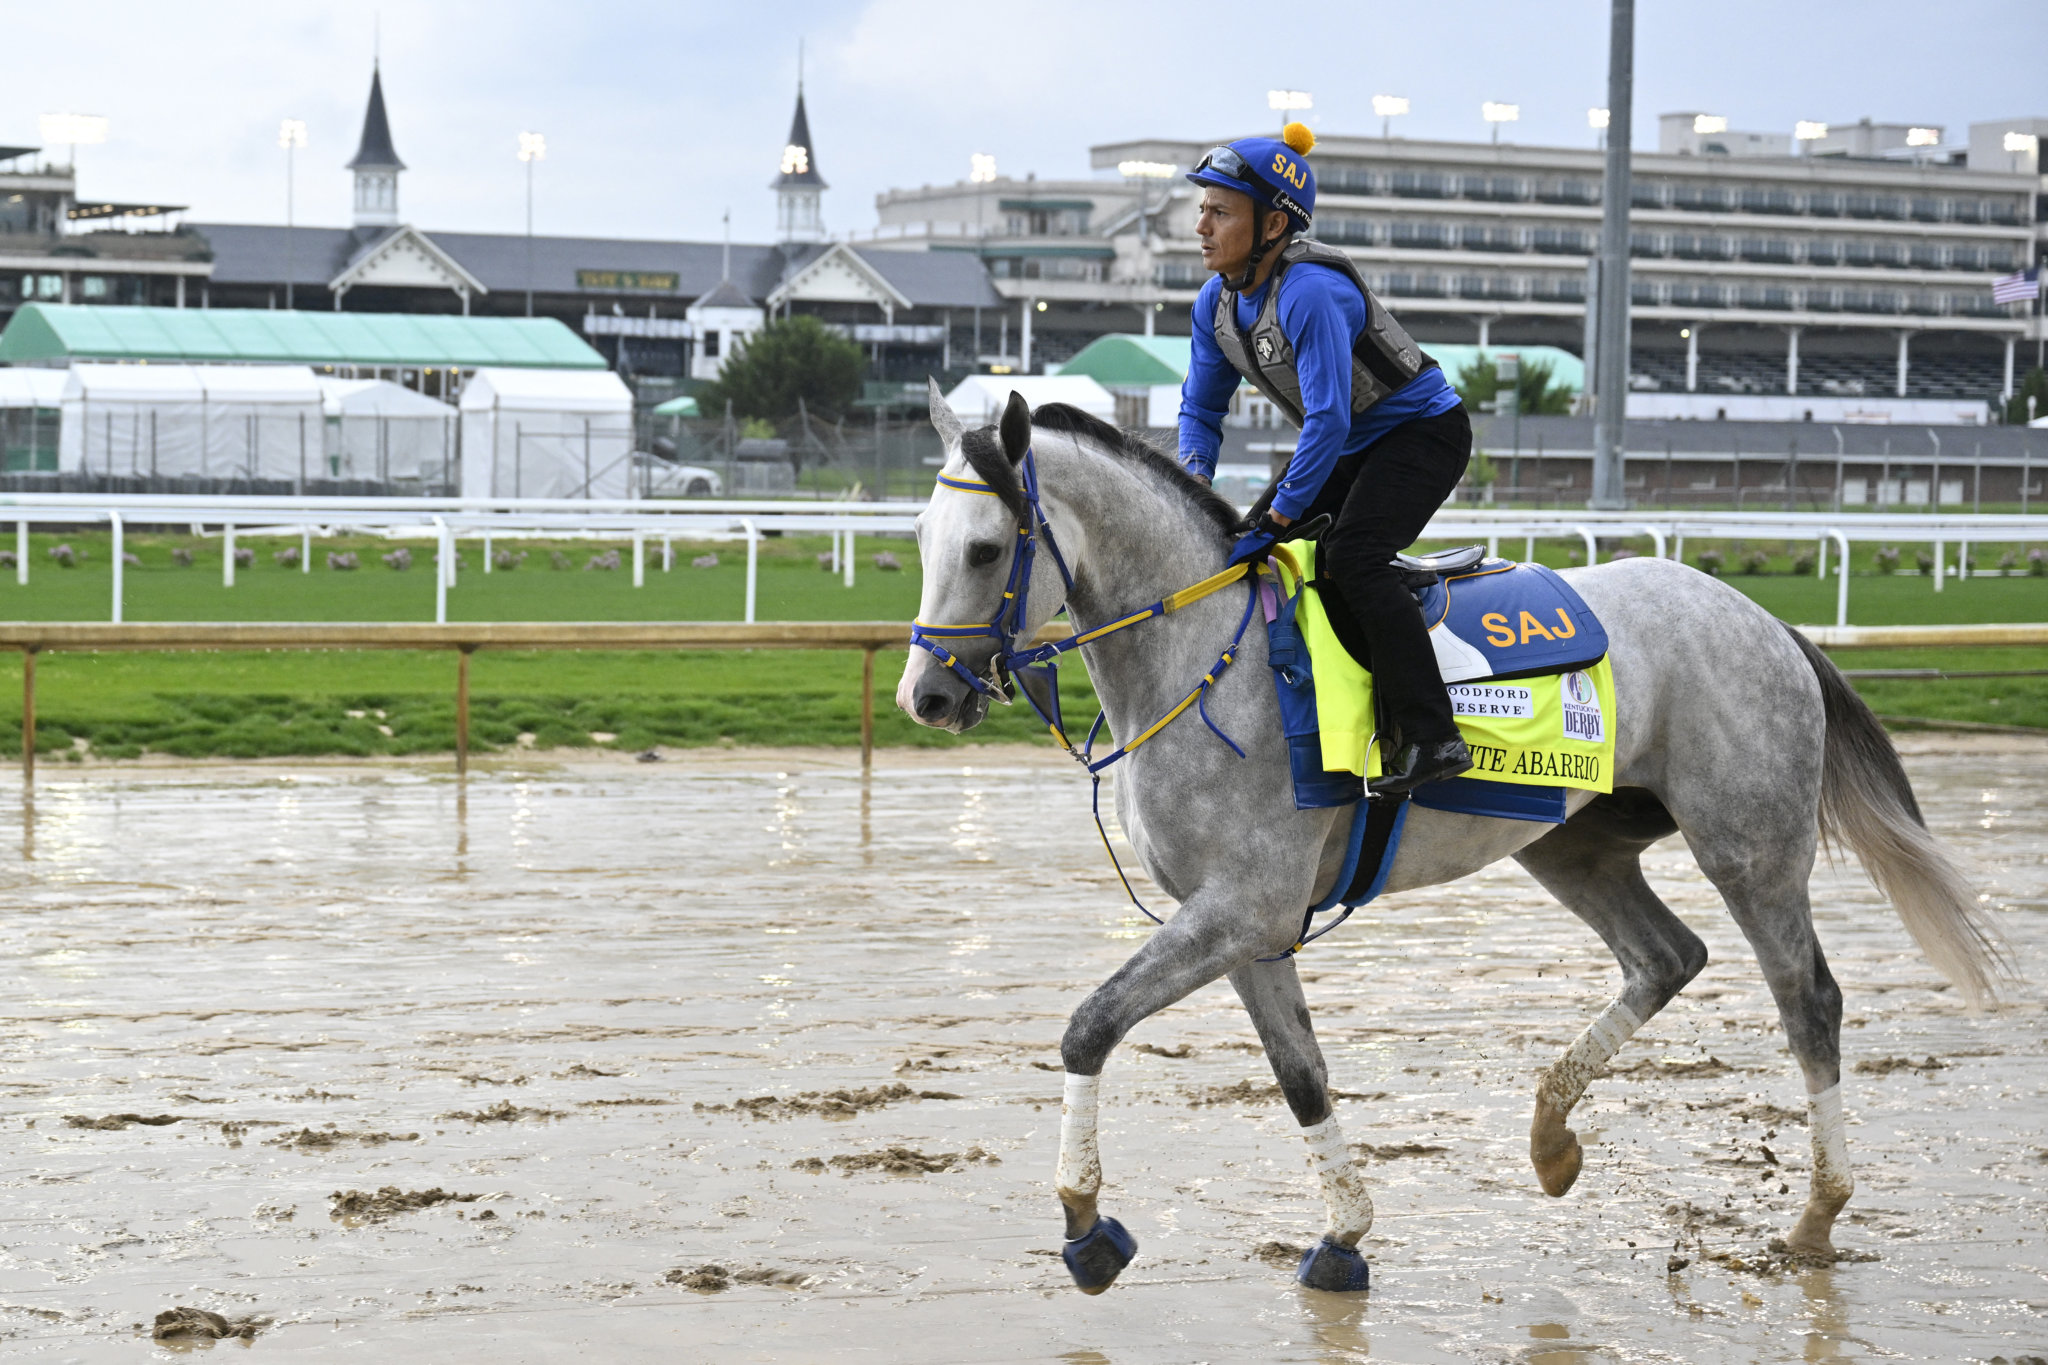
1322, 314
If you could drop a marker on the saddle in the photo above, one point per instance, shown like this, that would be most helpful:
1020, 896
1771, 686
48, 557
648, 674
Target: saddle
1487, 618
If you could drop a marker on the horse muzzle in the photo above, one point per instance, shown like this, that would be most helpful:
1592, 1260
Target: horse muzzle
938, 697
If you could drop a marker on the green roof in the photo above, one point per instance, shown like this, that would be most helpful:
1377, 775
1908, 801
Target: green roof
684, 406
1122, 360
46, 332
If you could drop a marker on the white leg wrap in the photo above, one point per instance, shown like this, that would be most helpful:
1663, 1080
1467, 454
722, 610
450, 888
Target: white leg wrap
1831, 1177
1080, 1168
1565, 1083
1344, 1195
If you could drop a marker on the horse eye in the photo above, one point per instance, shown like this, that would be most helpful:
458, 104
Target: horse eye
983, 554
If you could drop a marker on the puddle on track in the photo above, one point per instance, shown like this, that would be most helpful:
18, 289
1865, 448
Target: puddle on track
582, 955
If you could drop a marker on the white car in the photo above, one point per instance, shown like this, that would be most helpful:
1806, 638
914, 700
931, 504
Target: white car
662, 479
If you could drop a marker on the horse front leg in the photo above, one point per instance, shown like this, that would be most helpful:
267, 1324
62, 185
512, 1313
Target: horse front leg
1271, 992
1211, 935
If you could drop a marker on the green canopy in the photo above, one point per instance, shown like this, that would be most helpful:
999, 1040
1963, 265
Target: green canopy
43, 332
1122, 360
685, 406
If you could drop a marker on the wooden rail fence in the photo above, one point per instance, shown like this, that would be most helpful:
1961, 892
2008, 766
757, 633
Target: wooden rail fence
466, 638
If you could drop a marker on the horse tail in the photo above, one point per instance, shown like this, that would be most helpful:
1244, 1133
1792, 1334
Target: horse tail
1867, 804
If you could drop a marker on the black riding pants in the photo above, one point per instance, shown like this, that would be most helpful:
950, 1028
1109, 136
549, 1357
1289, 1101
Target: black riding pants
1380, 499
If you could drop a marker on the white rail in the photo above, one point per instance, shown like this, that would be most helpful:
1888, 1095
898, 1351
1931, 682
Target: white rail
449, 520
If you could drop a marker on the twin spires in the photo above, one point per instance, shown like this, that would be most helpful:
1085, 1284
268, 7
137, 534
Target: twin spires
798, 186
376, 164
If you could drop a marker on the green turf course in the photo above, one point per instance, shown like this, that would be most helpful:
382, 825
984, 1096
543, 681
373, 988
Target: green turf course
238, 704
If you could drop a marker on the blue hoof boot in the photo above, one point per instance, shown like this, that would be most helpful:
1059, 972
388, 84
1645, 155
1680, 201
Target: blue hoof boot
1338, 1269
1099, 1255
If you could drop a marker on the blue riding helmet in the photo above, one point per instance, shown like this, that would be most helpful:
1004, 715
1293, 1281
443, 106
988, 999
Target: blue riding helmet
1273, 171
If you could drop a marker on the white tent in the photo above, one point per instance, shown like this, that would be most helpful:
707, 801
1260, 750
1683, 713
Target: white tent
212, 421
546, 434
384, 431
29, 402
980, 398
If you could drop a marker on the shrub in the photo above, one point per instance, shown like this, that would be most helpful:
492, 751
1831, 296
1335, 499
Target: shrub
287, 559
1803, 562
2009, 561
343, 562
558, 560
129, 557
825, 560
7, 559
1710, 561
607, 561
245, 558
399, 559
507, 560
704, 562
182, 557
1925, 560
887, 562
65, 556
1886, 559
2037, 563
1755, 562
1623, 553
1574, 557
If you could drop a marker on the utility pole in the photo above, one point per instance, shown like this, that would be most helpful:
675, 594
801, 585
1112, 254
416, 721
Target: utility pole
291, 135
1610, 404
532, 147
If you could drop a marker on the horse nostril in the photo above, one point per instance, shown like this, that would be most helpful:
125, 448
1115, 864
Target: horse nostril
933, 706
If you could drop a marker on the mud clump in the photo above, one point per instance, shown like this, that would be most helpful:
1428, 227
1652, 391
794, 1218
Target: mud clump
1885, 1066
391, 1201
769, 1275
897, 1160
1394, 1151
1777, 1257
705, 1279
580, 1071
1180, 1052
328, 1138
841, 1104
114, 1123
1675, 1069
504, 1111
196, 1324
1286, 1255
1244, 1092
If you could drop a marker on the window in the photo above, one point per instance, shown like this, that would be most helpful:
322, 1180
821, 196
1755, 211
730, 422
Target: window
49, 286
1925, 256
1348, 230
1759, 199
1926, 210
1431, 236
1694, 294
1819, 252
1824, 204
1821, 301
1860, 205
1475, 237
1966, 210
1891, 253
1421, 185
1347, 180
2003, 212
1562, 288
1560, 241
1644, 293
711, 345
1701, 198
1966, 258
1646, 194
1775, 250
1568, 192
1645, 244
1772, 296
1699, 246
1859, 253
93, 287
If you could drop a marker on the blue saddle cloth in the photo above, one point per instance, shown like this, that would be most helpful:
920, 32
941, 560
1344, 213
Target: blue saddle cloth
1500, 619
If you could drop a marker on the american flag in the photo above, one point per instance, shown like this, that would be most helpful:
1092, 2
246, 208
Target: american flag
2020, 288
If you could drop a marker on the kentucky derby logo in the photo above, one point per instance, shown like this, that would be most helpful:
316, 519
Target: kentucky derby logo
1581, 701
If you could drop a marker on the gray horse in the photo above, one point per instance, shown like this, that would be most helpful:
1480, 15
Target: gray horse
1730, 728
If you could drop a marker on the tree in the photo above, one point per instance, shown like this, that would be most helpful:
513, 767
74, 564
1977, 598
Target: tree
2035, 382
789, 359
1478, 383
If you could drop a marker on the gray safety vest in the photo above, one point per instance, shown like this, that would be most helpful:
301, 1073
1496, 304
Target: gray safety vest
1384, 358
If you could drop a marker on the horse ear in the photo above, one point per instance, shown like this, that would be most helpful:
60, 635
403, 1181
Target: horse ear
944, 419
1016, 428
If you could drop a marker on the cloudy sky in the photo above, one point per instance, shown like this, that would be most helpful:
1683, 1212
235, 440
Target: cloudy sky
661, 116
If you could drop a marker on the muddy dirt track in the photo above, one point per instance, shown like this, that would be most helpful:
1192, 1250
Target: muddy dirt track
734, 1058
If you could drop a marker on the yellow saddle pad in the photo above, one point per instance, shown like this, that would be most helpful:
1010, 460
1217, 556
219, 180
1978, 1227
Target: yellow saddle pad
1549, 731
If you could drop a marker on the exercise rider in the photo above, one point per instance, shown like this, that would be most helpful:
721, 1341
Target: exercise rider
1384, 438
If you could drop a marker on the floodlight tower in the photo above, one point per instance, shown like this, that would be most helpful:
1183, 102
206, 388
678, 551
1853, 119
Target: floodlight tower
532, 147
291, 135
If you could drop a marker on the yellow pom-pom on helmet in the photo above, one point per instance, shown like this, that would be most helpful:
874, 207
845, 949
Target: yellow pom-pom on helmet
1300, 137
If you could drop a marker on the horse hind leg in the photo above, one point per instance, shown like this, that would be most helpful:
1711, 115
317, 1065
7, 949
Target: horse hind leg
1592, 864
1271, 992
